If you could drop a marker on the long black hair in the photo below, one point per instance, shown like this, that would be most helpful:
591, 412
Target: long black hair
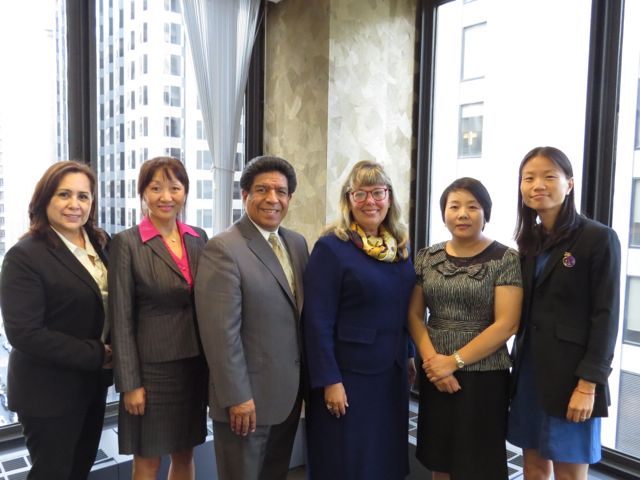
529, 234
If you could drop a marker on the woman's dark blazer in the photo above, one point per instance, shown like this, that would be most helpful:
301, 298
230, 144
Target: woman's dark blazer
571, 312
151, 305
53, 317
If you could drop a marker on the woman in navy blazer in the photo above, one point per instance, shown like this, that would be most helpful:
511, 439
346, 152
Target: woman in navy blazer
158, 362
52, 294
564, 349
357, 286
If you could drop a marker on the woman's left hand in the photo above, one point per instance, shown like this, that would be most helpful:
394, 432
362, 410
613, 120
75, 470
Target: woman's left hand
438, 367
581, 402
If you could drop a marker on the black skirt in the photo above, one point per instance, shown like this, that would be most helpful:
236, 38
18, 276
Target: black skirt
175, 409
464, 433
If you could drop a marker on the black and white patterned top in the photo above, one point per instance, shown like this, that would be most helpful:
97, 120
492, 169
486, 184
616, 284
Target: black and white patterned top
459, 296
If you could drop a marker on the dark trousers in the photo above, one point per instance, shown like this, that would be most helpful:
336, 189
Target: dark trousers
64, 448
262, 455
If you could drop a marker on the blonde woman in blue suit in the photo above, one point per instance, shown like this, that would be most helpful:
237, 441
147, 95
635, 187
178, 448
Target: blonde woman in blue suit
159, 368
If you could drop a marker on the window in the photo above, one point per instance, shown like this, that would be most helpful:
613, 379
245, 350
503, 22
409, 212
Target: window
205, 189
173, 152
144, 127
145, 34
200, 130
172, 127
634, 229
173, 64
143, 95
637, 140
470, 130
482, 127
204, 160
628, 418
173, 33
172, 96
632, 312
205, 218
474, 51
145, 64
172, 5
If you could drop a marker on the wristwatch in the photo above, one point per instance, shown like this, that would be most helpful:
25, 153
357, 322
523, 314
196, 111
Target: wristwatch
459, 360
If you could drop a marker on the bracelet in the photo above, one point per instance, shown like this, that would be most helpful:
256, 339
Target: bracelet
583, 392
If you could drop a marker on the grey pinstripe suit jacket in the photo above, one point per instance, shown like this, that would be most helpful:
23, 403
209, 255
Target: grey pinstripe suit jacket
150, 304
249, 321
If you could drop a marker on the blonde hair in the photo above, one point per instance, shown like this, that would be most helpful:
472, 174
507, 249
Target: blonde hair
366, 173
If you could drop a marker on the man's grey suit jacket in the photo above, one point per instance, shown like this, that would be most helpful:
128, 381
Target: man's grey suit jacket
250, 321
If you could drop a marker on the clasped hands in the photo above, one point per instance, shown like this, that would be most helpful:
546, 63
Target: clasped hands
439, 370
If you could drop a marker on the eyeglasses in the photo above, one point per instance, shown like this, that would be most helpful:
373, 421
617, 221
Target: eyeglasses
377, 194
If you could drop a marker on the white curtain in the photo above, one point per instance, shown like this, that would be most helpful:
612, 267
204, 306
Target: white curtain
221, 35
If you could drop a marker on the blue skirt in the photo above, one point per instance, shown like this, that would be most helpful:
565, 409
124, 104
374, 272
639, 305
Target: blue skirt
371, 441
556, 439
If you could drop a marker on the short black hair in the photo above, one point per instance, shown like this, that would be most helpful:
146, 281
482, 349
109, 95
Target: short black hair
475, 188
266, 164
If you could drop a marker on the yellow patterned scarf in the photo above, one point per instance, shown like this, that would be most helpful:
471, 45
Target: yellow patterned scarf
383, 248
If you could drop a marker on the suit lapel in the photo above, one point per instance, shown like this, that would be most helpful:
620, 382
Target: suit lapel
556, 255
71, 263
157, 246
192, 245
261, 248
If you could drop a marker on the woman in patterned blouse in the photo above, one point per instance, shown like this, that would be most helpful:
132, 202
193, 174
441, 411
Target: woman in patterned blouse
472, 287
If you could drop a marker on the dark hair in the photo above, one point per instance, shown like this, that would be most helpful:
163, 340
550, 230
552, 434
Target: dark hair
172, 167
44, 190
475, 188
529, 234
266, 164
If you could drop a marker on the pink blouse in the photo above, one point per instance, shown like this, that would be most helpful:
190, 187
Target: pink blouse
149, 231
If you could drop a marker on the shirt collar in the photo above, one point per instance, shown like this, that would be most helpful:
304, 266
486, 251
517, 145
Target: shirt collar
263, 232
148, 230
88, 246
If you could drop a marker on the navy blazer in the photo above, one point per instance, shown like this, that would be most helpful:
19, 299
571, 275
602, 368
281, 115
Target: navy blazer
571, 314
151, 305
53, 316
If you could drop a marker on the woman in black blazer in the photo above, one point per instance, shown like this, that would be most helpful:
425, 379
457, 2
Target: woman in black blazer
52, 294
159, 367
564, 349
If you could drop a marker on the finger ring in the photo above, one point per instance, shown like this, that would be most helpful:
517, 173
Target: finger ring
328, 407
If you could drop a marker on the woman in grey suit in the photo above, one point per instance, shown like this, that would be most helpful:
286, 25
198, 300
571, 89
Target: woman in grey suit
159, 367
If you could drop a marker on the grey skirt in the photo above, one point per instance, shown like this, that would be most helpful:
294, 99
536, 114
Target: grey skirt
175, 409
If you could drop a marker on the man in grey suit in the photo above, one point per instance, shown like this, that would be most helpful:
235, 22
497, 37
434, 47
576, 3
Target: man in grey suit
248, 299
